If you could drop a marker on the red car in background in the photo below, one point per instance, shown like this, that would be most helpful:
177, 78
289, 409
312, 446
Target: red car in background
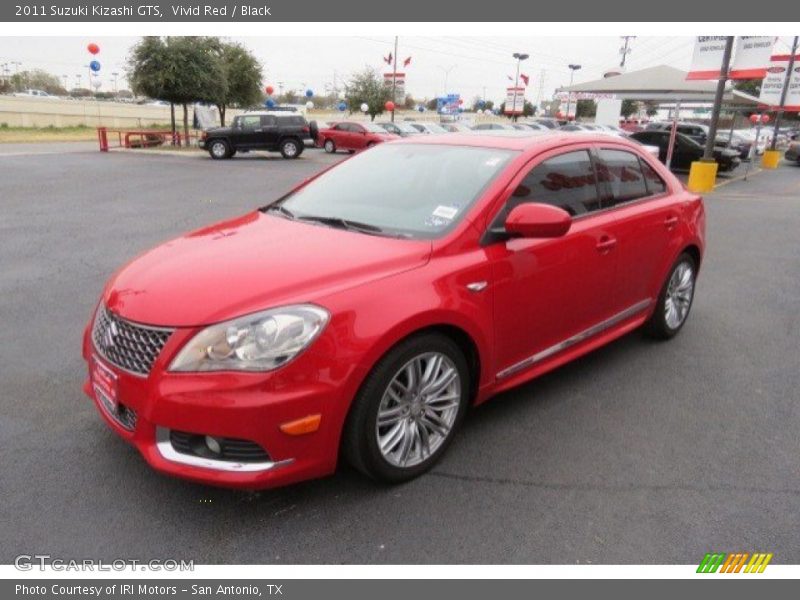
352, 136
360, 315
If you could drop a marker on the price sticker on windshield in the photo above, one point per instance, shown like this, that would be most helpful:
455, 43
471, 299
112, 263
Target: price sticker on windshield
446, 212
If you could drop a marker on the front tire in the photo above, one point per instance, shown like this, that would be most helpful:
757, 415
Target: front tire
330, 146
408, 410
675, 300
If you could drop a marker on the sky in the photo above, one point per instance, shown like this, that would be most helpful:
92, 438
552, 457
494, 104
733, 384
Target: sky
472, 66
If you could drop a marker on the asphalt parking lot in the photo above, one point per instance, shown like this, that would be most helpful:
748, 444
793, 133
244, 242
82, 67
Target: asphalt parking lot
641, 452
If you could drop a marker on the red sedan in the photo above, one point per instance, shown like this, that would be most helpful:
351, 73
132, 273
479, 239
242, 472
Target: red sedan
352, 136
363, 312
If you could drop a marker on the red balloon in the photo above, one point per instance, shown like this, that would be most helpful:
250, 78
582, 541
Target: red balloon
270, 89
765, 119
93, 48
461, 101
389, 106
754, 119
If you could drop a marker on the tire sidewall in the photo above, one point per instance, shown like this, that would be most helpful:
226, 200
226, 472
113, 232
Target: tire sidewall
330, 146
224, 144
369, 399
287, 142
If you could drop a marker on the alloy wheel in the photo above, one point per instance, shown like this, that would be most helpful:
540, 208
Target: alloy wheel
678, 300
418, 409
218, 149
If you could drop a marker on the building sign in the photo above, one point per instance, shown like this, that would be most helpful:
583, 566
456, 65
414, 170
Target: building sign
752, 56
399, 86
772, 86
515, 101
449, 104
707, 57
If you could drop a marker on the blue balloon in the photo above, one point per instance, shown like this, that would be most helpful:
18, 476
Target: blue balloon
481, 103
269, 103
94, 66
421, 108
342, 106
309, 93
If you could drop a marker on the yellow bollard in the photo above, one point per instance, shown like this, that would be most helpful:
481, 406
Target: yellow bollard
771, 159
702, 176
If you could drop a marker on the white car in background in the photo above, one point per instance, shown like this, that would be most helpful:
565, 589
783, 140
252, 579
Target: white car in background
35, 94
427, 127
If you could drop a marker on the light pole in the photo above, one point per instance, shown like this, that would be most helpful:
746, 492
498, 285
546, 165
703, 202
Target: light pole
66, 83
520, 57
784, 93
446, 75
115, 75
625, 50
572, 69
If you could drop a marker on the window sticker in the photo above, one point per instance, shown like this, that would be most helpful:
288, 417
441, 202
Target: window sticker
445, 212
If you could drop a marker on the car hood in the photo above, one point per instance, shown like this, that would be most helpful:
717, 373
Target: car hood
249, 264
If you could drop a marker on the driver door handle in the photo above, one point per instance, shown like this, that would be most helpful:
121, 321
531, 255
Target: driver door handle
671, 221
606, 244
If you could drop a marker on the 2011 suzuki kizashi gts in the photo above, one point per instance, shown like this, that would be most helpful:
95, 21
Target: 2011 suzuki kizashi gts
363, 312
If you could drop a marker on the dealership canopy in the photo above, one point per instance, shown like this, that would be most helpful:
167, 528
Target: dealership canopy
663, 84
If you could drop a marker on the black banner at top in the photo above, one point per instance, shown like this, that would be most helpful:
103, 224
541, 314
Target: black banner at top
373, 10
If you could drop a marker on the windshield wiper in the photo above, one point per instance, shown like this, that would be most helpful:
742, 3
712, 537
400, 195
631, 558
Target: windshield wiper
340, 223
280, 208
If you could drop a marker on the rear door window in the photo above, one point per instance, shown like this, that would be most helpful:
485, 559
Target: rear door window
622, 173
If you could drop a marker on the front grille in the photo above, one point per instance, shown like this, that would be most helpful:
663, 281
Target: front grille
122, 414
232, 449
128, 345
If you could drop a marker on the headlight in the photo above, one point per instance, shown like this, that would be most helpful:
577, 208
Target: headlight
258, 342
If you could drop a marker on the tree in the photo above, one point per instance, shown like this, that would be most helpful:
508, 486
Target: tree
37, 79
749, 86
241, 78
650, 108
629, 107
180, 70
367, 87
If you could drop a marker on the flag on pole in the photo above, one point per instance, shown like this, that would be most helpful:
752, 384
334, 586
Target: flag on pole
407, 62
388, 59
524, 78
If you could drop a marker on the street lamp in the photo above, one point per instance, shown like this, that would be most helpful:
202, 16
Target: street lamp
572, 69
520, 57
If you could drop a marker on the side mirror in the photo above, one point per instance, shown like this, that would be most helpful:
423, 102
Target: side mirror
533, 220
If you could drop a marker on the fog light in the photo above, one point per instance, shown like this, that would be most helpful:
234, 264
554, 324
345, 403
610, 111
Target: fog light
213, 445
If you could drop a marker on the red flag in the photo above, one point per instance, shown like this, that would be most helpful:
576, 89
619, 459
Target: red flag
407, 62
524, 78
388, 59
510, 78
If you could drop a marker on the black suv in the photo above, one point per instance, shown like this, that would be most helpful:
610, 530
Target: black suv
275, 132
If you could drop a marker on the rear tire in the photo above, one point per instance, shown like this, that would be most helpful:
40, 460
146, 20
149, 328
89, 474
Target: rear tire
408, 409
219, 150
291, 148
330, 146
675, 300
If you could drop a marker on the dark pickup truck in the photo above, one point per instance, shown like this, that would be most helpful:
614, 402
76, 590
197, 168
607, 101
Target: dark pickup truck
271, 131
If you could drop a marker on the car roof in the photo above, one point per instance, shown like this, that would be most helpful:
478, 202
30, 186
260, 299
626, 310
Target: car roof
516, 140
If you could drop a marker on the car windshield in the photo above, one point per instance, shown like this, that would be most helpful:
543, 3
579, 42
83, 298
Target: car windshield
406, 128
409, 190
372, 127
435, 128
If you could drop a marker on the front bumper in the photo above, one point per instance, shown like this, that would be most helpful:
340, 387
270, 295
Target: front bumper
244, 406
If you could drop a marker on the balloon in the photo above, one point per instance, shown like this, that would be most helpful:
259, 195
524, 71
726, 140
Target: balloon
342, 107
309, 105
309, 93
270, 103
421, 108
481, 103
269, 89
754, 119
479, 111
460, 101
94, 66
365, 107
93, 48
389, 106
765, 119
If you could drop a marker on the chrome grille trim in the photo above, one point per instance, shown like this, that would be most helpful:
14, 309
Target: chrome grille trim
129, 346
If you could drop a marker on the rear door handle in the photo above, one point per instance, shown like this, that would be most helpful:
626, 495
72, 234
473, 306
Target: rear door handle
671, 221
606, 243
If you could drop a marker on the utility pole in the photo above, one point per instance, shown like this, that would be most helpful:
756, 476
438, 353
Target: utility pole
784, 93
542, 75
394, 76
625, 50
708, 154
446, 75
